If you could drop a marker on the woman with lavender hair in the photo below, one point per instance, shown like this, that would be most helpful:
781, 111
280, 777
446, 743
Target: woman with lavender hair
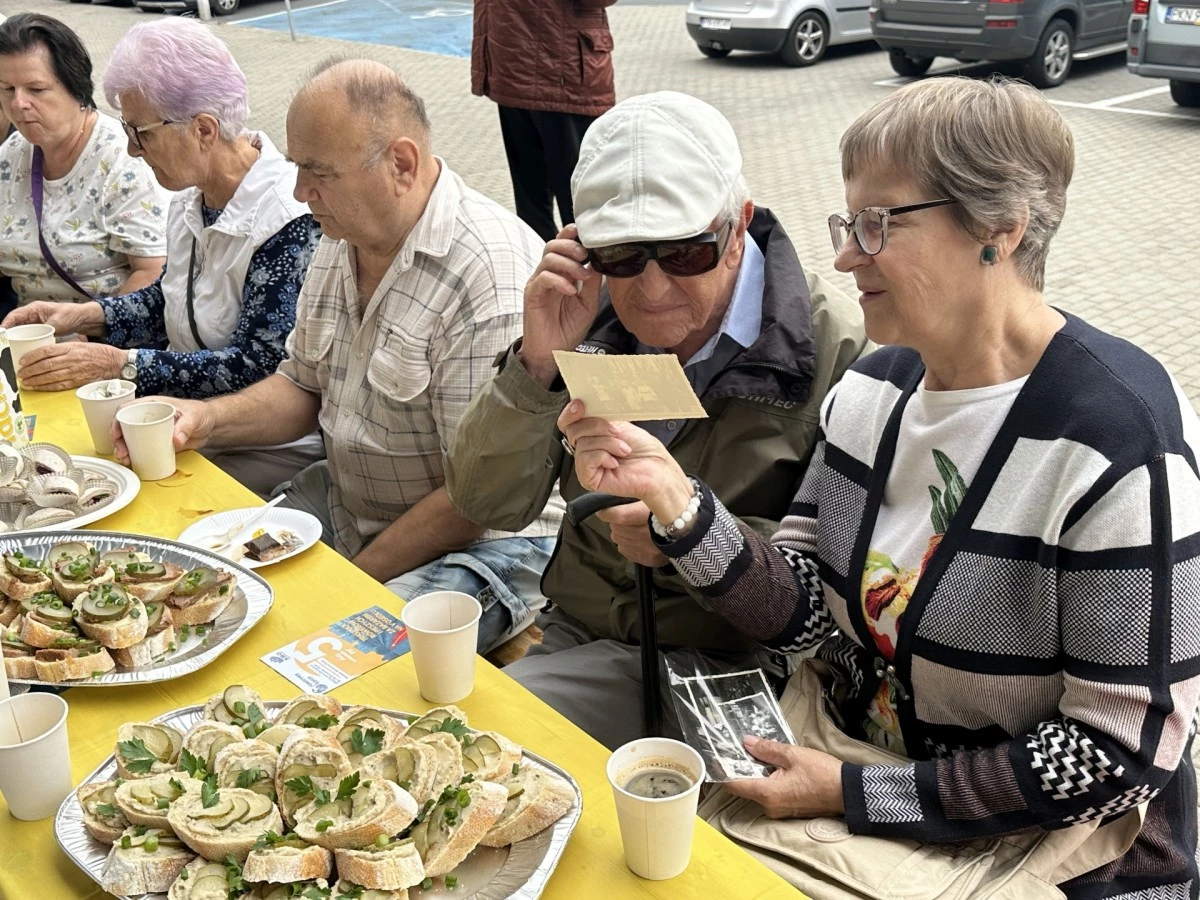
238, 244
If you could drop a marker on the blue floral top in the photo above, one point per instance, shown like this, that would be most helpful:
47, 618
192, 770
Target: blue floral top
256, 347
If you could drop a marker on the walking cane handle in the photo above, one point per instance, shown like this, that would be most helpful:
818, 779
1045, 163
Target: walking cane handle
587, 505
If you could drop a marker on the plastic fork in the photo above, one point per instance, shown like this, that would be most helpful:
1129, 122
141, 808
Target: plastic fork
219, 542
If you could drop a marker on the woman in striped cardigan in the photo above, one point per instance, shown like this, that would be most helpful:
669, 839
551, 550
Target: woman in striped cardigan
997, 543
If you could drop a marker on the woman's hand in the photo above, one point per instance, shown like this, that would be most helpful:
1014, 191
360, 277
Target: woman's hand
806, 784
69, 365
67, 318
629, 528
622, 459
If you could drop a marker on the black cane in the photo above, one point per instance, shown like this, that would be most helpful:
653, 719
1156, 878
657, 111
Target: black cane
584, 507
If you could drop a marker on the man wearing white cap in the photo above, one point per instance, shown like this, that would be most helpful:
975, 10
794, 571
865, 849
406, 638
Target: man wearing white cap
668, 255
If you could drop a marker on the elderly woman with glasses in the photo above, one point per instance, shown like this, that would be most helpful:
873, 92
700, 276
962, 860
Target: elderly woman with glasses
239, 244
997, 539
79, 217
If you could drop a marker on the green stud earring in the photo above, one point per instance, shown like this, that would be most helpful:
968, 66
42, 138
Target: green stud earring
989, 254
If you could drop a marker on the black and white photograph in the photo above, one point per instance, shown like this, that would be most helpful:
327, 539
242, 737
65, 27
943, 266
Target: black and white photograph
755, 716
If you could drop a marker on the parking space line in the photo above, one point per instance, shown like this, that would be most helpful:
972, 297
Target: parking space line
1136, 95
1120, 109
283, 12
901, 80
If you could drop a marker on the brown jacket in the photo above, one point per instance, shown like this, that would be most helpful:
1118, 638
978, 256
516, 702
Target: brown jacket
548, 55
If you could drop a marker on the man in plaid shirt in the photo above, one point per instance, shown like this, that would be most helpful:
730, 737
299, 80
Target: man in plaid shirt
416, 287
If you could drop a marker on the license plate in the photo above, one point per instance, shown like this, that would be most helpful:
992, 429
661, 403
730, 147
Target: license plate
716, 24
1183, 15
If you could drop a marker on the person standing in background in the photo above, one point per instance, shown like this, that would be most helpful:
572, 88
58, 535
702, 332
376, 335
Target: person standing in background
548, 65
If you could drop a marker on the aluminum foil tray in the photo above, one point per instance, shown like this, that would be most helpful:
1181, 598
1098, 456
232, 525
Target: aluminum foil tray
519, 872
251, 600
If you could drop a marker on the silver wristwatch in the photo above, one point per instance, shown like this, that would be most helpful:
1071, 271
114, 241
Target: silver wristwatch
129, 369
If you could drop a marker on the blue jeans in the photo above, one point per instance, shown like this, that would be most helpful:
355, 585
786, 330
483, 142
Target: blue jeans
504, 575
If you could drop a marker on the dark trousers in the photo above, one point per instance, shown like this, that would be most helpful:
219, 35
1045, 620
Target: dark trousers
542, 149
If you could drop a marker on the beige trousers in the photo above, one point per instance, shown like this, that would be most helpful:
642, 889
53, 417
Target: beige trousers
824, 860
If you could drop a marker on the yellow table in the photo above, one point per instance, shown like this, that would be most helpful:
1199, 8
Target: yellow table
311, 591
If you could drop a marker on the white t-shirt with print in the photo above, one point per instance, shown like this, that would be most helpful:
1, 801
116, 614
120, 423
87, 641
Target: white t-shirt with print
107, 208
943, 438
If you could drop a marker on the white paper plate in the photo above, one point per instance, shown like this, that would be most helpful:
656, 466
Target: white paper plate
305, 526
128, 485
251, 600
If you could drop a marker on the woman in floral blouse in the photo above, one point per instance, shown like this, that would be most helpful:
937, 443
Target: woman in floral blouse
238, 243
103, 216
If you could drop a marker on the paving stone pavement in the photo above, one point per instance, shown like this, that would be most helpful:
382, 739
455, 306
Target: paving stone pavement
1125, 258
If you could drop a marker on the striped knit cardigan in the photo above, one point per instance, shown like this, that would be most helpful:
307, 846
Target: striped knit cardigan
1048, 663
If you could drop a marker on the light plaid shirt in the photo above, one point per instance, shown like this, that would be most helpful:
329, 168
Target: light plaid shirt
394, 384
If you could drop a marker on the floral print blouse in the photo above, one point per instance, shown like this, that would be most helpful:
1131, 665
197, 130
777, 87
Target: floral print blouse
255, 349
108, 208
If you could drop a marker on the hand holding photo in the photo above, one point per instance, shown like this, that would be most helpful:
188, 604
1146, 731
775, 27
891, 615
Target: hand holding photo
639, 388
717, 712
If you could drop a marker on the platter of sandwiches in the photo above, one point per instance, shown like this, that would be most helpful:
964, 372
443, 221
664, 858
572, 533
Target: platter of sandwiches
269, 800
102, 608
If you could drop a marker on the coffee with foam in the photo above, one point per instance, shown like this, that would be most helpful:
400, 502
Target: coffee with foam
655, 778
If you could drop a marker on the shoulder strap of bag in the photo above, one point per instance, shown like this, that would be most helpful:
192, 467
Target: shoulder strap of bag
35, 176
191, 298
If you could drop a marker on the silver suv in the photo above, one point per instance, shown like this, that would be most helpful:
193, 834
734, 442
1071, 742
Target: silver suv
1164, 42
1046, 34
800, 31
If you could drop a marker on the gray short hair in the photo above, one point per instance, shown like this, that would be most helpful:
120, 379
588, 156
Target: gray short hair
997, 147
381, 95
735, 201
181, 69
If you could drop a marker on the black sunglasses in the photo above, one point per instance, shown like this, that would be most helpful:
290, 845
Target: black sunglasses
692, 256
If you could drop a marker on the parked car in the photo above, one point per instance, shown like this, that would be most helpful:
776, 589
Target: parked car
1048, 35
1164, 42
800, 31
217, 7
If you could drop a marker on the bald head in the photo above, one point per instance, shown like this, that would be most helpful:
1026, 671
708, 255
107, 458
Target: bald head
371, 91
360, 141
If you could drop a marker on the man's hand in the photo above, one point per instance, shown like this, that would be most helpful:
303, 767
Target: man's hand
630, 528
561, 301
806, 784
69, 365
194, 423
620, 458
67, 318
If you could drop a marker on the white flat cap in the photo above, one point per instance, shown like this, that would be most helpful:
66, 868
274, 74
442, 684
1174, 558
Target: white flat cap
656, 167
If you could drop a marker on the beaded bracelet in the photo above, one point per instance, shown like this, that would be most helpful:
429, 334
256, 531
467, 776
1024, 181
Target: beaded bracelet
680, 525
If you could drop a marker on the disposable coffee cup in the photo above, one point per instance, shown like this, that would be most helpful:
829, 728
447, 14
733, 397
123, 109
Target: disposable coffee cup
656, 832
35, 759
443, 630
100, 401
23, 338
149, 430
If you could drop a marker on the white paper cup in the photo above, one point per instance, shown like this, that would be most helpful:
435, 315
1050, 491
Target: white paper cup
656, 833
35, 759
149, 430
23, 338
443, 629
100, 411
